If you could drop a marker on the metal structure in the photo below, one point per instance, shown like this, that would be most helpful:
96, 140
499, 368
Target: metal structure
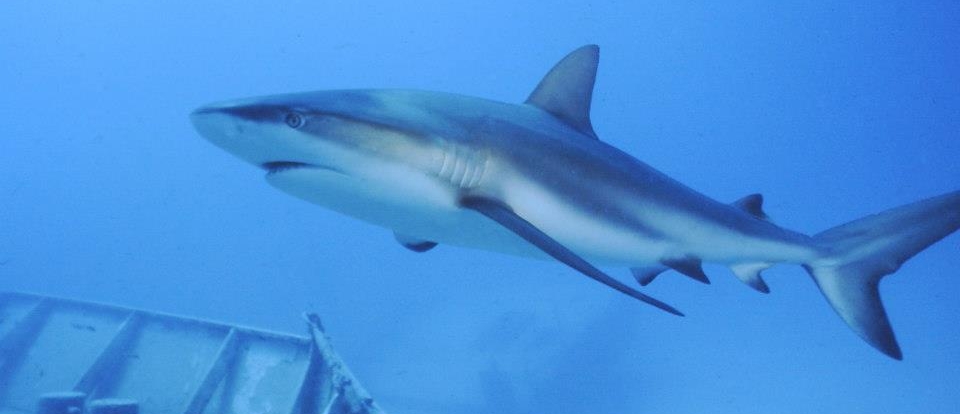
67, 356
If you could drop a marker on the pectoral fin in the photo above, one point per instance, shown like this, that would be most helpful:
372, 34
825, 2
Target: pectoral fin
502, 214
414, 243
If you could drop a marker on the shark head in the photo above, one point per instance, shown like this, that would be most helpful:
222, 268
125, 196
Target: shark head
370, 154
341, 131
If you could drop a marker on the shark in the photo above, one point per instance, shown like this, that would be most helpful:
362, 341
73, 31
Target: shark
533, 179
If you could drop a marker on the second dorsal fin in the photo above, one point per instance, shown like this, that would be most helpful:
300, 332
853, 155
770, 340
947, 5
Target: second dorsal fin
566, 91
753, 205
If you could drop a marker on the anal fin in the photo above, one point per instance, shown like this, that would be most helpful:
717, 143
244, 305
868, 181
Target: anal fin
749, 273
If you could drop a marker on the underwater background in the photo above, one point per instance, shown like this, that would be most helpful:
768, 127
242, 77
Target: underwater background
832, 110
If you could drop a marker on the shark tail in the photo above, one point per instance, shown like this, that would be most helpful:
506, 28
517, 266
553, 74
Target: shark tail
859, 253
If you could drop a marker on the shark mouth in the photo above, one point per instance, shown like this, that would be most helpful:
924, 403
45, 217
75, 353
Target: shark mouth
276, 167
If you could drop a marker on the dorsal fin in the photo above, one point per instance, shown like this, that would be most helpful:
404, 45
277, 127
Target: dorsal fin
753, 205
566, 91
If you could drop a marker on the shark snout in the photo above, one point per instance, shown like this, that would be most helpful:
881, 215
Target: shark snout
242, 129
215, 123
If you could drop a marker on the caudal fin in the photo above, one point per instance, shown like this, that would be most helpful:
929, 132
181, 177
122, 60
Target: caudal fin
858, 254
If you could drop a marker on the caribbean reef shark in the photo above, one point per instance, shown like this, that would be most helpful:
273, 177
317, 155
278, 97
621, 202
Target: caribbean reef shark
533, 179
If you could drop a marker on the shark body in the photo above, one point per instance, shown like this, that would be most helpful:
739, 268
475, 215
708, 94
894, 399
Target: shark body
533, 179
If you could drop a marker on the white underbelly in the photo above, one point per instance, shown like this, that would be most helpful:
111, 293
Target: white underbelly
418, 207
423, 208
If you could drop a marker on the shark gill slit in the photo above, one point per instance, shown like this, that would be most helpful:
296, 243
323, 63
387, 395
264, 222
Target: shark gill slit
461, 167
468, 170
443, 164
480, 167
476, 165
471, 170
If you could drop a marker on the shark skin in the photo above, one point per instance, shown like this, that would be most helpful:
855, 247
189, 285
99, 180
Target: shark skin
533, 180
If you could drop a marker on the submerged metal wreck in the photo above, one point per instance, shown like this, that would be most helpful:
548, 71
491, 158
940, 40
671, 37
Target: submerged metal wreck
66, 356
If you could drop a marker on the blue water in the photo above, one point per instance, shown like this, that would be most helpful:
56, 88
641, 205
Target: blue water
832, 110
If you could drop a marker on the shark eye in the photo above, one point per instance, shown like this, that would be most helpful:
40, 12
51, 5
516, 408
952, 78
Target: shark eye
294, 120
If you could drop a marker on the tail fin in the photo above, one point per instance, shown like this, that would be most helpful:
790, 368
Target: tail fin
858, 254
